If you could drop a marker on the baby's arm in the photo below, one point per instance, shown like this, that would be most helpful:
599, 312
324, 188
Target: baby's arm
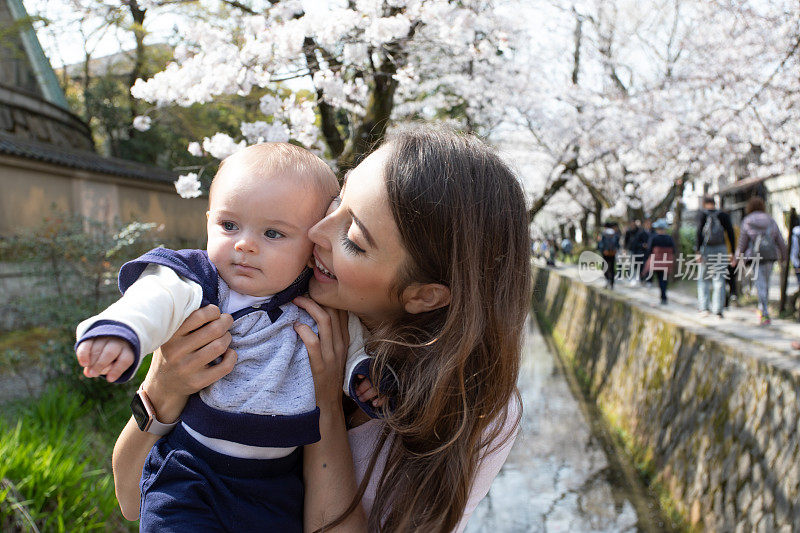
106, 355
148, 314
357, 384
361, 389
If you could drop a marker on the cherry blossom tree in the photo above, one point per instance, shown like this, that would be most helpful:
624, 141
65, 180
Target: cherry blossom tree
611, 107
369, 63
642, 98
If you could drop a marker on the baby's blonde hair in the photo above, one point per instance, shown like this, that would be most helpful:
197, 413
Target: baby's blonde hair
278, 157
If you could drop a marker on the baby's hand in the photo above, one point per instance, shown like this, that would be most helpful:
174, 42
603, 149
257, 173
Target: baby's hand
366, 392
105, 355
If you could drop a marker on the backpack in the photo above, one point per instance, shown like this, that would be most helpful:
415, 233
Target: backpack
609, 243
764, 246
713, 233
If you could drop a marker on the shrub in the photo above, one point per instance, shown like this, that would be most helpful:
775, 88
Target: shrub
72, 264
686, 242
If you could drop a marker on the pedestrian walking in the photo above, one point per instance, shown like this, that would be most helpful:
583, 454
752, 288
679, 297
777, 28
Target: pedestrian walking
642, 239
552, 252
566, 249
760, 240
661, 260
635, 242
608, 246
794, 253
713, 227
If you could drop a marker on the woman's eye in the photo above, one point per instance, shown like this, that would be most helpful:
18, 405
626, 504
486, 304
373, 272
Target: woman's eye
350, 246
228, 226
273, 234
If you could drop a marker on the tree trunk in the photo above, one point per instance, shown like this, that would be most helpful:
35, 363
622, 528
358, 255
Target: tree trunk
372, 129
663, 206
585, 227
87, 114
330, 131
137, 71
548, 193
677, 220
598, 214
635, 213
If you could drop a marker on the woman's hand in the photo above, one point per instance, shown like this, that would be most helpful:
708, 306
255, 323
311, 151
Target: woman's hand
328, 472
327, 352
181, 366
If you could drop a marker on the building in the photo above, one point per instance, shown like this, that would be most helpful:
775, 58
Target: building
781, 193
48, 160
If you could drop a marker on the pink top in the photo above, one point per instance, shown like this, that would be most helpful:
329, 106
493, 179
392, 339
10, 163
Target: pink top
364, 438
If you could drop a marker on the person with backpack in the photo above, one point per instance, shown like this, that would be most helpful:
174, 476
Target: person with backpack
636, 239
760, 240
661, 261
713, 226
608, 245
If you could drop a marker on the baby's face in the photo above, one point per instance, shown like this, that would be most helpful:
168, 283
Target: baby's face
258, 228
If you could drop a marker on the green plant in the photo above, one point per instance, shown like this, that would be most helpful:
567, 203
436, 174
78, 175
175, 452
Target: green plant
76, 259
55, 474
72, 264
686, 241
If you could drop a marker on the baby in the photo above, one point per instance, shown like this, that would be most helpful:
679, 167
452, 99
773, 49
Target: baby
242, 432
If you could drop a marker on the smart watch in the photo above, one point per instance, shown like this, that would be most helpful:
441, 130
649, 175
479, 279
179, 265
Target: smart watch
145, 415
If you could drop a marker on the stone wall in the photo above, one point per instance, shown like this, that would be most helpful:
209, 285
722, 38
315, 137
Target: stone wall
33, 190
711, 421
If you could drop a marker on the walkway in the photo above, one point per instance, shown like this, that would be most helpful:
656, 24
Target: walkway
739, 323
739, 327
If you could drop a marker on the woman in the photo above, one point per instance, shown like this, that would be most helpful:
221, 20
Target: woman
760, 240
428, 246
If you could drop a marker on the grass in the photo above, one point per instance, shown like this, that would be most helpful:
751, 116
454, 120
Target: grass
56, 471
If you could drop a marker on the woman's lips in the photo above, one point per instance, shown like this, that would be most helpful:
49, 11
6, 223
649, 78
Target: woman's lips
321, 272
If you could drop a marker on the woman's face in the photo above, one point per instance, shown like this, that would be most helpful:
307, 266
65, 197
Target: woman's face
357, 247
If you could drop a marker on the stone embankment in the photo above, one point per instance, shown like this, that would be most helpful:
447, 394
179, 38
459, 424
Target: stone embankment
711, 420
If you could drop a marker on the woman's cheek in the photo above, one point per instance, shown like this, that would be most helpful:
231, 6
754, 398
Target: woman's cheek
366, 283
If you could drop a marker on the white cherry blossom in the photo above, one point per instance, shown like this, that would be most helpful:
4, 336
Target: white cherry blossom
142, 123
188, 185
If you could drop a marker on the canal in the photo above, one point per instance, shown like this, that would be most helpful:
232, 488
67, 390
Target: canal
563, 474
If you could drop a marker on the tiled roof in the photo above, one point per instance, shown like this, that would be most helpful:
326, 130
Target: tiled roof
47, 153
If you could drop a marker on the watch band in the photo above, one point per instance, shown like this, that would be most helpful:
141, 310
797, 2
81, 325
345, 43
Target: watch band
149, 423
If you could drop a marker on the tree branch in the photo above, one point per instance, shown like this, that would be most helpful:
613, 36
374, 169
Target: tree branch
333, 137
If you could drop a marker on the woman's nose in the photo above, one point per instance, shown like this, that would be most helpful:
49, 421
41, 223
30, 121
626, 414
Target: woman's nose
319, 233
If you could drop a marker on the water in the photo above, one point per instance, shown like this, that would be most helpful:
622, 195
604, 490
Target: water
558, 476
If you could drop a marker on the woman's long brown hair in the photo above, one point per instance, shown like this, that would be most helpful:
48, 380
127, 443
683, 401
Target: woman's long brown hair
462, 219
